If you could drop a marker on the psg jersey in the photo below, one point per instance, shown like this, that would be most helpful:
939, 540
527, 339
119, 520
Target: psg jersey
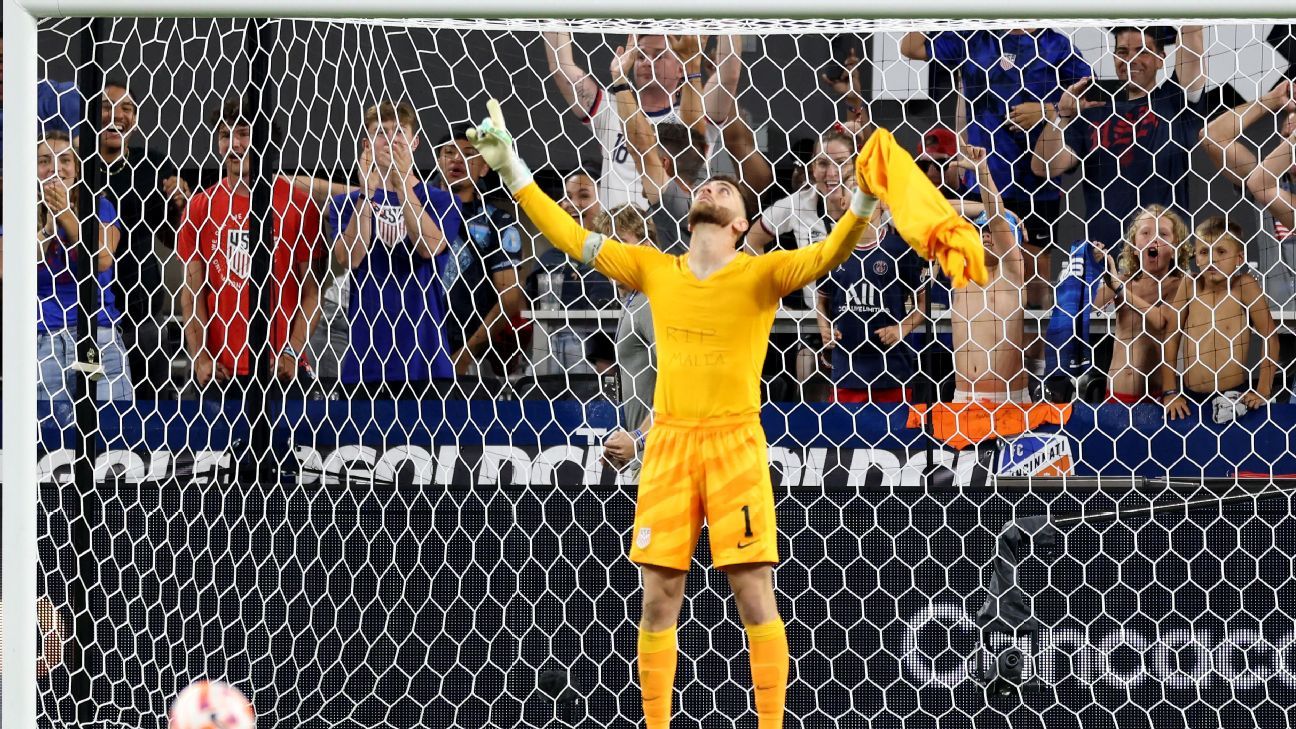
867, 293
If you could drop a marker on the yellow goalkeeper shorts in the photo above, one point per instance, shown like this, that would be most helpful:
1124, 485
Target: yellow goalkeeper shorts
717, 470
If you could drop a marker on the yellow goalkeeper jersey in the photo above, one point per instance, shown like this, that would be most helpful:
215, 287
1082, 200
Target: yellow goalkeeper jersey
712, 333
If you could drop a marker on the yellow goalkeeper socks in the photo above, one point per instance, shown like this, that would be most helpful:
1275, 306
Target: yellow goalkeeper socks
657, 657
768, 646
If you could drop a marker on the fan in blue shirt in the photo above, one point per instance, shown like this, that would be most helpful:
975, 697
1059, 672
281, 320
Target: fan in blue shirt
57, 279
394, 310
1008, 78
864, 303
1001, 72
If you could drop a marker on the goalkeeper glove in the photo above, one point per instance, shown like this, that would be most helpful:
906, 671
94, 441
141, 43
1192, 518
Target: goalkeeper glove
862, 201
862, 204
495, 145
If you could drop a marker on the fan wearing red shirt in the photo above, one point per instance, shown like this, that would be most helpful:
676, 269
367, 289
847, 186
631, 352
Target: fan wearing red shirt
215, 244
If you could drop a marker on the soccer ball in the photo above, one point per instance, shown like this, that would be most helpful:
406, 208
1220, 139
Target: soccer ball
212, 705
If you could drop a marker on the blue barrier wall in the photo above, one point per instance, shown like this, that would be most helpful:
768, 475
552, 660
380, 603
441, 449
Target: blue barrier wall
1110, 440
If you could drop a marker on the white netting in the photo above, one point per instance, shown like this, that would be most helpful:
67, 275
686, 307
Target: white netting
440, 541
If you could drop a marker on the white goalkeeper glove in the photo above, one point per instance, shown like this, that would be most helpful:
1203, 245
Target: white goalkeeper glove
862, 204
495, 145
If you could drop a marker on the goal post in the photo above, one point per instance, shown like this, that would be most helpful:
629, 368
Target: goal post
462, 564
20, 421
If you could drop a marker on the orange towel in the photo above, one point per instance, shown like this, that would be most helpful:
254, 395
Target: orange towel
922, 216
961, 424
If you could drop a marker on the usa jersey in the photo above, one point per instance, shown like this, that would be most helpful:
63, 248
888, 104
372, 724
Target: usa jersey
619, 180
394, 306
866, 293
215, 231
1000, 70
1134, 153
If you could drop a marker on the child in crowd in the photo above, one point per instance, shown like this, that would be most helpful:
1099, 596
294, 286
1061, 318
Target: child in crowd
1220, 309
988, 322
1141, 286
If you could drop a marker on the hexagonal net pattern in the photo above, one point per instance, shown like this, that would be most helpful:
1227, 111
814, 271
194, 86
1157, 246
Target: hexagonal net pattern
367, 443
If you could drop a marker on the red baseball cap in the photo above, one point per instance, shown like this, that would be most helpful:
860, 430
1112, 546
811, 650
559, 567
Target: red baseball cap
938, 143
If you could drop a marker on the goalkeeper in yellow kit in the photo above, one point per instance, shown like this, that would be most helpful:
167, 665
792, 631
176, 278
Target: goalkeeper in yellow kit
706, 456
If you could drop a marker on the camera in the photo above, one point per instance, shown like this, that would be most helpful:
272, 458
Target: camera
1007, 666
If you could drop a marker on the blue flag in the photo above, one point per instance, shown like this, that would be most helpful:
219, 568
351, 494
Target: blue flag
1067, 352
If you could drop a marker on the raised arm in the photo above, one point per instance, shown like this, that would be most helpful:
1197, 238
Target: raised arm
56, 199
720, 96
641, 139
1263, 182
914, 46
1112, 289
429, 240
109, 237
610, 257
800, 268
1223, 136
421, 227
961, 111
351, 246
1223, 143
846, 88
641, 136
688, 48
320, 190
351, 239
577, 87
921, 215
1052, 156
753, 169
1190, 60
1003, 239
1111, 283
794, 270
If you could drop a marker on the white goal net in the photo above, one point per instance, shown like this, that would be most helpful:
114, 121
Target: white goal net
340, 438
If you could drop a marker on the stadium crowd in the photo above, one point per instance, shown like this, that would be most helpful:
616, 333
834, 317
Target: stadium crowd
409, 283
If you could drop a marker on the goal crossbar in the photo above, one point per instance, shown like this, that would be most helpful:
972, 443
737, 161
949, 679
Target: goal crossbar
929, 9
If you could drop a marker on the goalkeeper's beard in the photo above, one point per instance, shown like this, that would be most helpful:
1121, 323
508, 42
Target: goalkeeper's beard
707, 213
